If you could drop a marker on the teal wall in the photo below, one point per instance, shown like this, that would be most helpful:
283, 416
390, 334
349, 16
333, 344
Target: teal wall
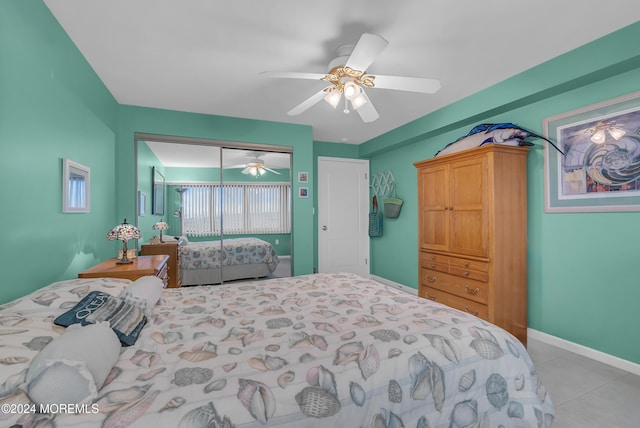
52, 106
582, 283
171, 123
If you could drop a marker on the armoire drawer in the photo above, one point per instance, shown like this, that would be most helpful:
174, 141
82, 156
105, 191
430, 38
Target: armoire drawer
474, 308
468, 273
463, 287
466, 264
434, 261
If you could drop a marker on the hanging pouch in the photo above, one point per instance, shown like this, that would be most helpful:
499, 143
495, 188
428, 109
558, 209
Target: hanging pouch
375, 219
392, 204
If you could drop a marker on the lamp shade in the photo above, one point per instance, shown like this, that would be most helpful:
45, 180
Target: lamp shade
161, 225
124, 232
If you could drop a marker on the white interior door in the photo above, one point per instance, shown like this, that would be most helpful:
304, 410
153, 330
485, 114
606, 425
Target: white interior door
343, 221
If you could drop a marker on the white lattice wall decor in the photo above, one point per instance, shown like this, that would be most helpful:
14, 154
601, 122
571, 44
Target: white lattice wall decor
381, 183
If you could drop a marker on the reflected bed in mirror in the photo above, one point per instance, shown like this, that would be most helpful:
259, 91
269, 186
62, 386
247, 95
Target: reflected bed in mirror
75, 187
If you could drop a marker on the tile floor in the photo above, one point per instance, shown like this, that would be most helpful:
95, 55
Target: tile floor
585, 392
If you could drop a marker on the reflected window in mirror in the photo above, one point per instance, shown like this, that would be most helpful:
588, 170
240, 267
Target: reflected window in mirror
75, 187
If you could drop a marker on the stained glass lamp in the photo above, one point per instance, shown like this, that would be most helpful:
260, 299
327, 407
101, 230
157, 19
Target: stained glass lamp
161, 225
124, 232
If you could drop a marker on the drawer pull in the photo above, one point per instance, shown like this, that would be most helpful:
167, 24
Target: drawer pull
433, 257
433, 265
470, 291
466, 308
466, 264
430, 278
466, 273
429, 297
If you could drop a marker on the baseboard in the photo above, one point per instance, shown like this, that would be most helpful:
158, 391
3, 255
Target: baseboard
596, 355
393, 284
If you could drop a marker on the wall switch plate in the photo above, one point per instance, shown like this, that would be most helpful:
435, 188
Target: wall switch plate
277, 241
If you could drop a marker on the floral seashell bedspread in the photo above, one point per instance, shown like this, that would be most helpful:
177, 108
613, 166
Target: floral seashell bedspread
235, 251
324, 350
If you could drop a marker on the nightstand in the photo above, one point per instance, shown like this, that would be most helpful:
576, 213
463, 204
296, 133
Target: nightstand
141, 266
172, 249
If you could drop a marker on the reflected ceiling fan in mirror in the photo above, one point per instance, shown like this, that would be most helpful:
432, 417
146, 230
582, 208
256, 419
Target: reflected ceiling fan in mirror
255, 166
348, 77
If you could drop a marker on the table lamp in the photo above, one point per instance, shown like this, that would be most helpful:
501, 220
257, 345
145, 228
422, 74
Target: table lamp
123, 232
161, 225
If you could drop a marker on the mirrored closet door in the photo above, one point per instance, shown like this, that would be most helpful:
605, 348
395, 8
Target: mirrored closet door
230, 207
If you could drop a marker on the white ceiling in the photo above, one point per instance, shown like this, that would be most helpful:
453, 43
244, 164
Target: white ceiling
205, 56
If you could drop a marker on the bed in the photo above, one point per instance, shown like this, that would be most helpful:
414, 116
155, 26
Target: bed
322, 350
209, 262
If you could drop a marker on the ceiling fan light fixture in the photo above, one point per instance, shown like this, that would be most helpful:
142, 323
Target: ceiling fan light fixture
333, 98
358, 101
616, 132
598, 137
351, 90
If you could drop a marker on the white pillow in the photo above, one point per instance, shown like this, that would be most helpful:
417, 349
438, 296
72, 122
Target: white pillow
72, 367
144, 293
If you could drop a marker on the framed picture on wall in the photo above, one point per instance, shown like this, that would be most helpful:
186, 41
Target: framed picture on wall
303, 177
76, 187
303, 192
600, 168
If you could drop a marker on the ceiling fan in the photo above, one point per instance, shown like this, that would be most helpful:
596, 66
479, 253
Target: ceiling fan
254, 166
348, 77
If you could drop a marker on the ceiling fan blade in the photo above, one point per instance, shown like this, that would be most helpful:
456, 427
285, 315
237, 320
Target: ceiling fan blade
271, 170
366, 50
247, 170
308, 103
367, 111
411, 84
293, 75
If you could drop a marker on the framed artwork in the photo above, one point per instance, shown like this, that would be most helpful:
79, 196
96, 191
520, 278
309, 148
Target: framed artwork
76, 187
303, 177
303, 192
142, 203
600, 168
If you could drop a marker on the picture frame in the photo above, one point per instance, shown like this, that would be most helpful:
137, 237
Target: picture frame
157, 197
76, 187
600, 168
303, 177
303, 192
142, 203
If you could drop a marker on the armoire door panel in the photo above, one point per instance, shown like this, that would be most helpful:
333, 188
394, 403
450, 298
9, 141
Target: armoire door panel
468, 184
434, 231
434, 196
468, 233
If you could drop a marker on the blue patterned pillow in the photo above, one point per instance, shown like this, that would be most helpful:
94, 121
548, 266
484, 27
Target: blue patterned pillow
125, 319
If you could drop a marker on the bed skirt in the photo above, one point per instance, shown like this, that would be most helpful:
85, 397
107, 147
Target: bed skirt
229, 273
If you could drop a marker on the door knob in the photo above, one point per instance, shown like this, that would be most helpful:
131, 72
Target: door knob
324, 227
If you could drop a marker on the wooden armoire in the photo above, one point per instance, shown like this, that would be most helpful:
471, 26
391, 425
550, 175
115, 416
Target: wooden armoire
472, 225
